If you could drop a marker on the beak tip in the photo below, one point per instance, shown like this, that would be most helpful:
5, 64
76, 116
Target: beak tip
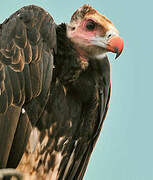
117, 52
116, 56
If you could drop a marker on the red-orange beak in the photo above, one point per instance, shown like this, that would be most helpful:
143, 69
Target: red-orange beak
115, 45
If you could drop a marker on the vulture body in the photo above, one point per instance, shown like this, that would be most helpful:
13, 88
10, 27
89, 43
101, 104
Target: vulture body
54, 90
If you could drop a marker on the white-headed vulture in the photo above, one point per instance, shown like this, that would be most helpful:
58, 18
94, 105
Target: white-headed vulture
54, 91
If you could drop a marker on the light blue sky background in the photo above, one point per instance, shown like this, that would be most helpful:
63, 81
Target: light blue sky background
125, 148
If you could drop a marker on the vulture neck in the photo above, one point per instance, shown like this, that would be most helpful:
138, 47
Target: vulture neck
68, 64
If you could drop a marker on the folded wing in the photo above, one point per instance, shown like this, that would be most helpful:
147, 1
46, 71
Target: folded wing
27, 46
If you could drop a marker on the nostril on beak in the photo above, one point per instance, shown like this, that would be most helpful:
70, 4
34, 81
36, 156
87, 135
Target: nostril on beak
109, 36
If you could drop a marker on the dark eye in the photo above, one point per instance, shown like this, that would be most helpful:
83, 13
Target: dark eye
90, 25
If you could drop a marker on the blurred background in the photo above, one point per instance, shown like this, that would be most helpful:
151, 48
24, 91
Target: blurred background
125, 147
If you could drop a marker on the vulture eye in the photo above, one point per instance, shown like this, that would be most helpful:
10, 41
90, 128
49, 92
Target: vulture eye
90, 25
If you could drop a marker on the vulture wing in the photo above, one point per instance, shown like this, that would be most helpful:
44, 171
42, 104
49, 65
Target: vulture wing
27, 44
79, 167
85, 143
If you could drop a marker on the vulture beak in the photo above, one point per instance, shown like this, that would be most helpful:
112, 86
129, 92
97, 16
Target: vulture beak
115, 45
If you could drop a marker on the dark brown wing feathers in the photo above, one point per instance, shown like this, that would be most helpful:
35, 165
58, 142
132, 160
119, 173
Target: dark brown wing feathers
23, 38
22, 137
27, 43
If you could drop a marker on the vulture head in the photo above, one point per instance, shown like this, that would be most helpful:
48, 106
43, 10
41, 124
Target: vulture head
93, 34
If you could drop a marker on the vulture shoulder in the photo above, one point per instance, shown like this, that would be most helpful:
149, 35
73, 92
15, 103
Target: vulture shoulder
27, 46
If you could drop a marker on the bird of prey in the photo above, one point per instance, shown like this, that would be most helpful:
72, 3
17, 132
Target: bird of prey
54, 90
